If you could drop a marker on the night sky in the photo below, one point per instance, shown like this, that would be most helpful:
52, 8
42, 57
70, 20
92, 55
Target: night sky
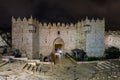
61, 11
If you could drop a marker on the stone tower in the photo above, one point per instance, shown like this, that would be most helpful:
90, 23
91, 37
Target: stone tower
34, 38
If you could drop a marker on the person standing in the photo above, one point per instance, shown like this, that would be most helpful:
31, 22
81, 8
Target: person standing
60, 53
4, 50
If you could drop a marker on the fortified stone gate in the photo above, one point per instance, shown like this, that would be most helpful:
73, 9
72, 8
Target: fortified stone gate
33, 38
58, 44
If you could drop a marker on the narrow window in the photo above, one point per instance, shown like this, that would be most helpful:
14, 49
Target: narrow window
58, 32
45, 40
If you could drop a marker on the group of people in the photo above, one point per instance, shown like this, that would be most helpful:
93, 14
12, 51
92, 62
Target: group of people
15, 52
4, 51
57, 55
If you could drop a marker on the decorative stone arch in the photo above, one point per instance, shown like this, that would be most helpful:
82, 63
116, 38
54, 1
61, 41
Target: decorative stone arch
58, 43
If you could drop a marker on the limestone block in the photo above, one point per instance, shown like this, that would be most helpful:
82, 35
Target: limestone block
32, 63
42, 41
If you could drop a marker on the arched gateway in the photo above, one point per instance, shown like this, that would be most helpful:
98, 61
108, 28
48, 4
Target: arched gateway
58, 44
42, 38
58, 47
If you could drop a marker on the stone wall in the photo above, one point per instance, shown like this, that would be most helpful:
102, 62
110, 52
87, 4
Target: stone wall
22, 38
49, 33
44, 35
95, 37
112, 38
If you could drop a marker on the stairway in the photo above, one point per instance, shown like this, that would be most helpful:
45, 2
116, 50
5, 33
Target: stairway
107, 70
37, 69
107, 65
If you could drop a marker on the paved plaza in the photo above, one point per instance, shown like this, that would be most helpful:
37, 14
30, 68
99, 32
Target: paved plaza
64, 70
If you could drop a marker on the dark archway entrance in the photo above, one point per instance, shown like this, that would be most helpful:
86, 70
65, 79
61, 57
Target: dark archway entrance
58, 44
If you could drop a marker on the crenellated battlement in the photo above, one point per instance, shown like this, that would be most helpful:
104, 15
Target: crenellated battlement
57, 25
25, 20
79, 23
93, 20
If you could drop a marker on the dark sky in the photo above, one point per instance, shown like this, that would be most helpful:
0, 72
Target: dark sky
61, 11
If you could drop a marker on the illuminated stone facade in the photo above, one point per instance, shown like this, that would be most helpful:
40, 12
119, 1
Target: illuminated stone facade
112, 38
34, 38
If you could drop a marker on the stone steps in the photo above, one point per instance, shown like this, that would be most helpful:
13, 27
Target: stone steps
113, 63
110, 65
107, 70
64, 68
106, 66
35, 69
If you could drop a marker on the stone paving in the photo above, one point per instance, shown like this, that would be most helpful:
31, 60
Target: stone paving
65, 70
107, 70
